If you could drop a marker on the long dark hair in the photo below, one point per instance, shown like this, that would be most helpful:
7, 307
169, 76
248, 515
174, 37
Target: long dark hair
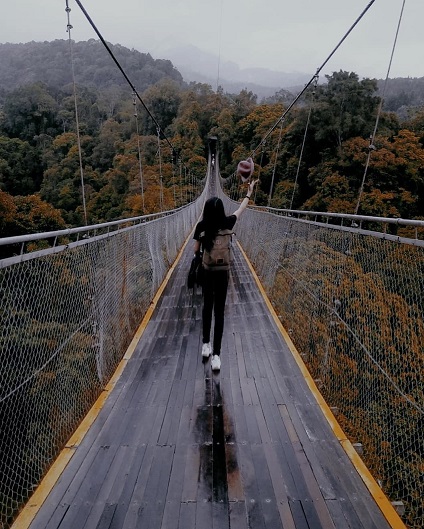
213, 220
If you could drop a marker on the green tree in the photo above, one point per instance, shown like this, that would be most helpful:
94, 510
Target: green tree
162, 100
30, 111
20, 167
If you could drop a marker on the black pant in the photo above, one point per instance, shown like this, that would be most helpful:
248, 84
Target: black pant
215, 285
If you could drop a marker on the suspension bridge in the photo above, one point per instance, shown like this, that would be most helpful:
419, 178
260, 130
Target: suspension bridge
167, 442
111, 418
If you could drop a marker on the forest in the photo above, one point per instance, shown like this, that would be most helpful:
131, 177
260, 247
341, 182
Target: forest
129, 169
316, 167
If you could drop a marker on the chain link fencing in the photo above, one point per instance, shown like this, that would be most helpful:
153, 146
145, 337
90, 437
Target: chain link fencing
350, 292
69, 310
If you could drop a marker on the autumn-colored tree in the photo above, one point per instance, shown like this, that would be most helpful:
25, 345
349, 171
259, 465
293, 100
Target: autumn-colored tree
35, 215
7, 214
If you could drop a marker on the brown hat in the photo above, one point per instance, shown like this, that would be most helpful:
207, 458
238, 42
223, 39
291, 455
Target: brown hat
245, 169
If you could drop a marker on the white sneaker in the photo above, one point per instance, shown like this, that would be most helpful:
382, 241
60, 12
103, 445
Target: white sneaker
206, 350
216, 363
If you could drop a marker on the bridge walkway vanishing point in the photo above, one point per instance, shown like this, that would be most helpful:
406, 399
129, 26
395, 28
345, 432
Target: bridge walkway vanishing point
175, 446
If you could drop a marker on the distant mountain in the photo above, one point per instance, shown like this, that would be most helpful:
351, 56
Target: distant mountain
199, 66
49, 62
403, 95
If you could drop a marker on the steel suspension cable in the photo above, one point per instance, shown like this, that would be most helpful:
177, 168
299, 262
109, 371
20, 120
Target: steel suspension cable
68, 29
303, 145
122, 71
299, 95
371, 146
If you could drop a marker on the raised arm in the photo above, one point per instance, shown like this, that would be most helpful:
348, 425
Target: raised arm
246, 199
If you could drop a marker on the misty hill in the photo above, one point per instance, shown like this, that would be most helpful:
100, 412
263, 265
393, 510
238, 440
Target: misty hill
403, 94
49, 62
199, 66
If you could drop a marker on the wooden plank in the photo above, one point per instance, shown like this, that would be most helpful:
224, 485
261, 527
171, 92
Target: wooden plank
156, 489
134, 503
173, 499
125, 484
219, 470
220, 515
254, 435
266, 490
250, 486
204, 519
238, 515
247, 447
51, 520
190, 483
299, 516
188, 515
169, 428
111, 486
106, 517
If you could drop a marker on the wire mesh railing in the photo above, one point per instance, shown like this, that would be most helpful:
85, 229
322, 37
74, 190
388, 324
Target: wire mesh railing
350, 292
68, 311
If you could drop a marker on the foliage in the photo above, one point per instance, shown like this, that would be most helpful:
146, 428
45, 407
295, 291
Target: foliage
319, 168
323, 295
44, 165
20, 167
27, 214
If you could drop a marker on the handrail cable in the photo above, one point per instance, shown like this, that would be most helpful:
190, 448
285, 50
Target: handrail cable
371, 146
123, 72
299, 95
140, 168
303, 142
68, 29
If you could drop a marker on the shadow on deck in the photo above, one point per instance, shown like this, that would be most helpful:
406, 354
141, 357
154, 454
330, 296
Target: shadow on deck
178, 447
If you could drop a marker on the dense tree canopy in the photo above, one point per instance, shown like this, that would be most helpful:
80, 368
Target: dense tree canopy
314, 157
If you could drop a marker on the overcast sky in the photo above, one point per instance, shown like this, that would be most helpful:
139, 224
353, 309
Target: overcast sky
283, 35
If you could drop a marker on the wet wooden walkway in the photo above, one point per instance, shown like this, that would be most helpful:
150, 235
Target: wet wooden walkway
179, 447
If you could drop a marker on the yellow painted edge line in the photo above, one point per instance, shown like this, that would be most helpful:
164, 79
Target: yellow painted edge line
31, 508
380, 498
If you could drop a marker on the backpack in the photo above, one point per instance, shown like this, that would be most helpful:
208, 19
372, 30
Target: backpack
219, 256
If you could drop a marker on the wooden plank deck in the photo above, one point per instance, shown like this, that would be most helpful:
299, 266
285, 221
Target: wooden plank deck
179, 447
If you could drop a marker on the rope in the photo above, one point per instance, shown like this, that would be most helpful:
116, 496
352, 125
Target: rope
139, 151
303, 144
160, 173
68, 29
371, 146
277, 150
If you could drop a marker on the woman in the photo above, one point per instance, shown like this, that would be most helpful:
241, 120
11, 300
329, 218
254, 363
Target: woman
215, 282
